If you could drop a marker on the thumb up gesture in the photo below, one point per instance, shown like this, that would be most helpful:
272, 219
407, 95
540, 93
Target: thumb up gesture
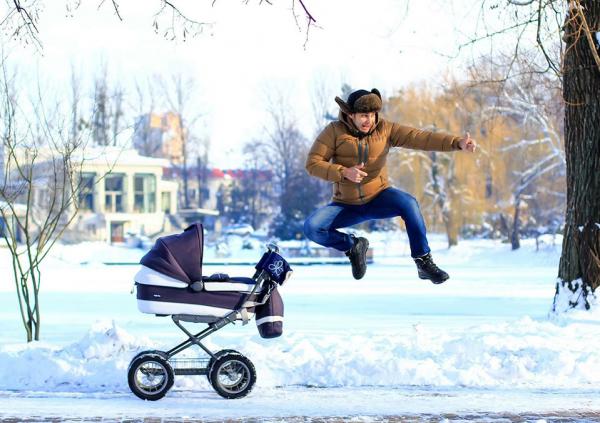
467, 143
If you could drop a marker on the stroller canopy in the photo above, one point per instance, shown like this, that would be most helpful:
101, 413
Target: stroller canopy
178, 256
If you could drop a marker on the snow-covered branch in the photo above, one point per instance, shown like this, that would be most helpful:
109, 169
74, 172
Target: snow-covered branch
521, 2
525, 143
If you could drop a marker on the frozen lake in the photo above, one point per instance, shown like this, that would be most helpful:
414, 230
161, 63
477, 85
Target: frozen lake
481, 345
318, 299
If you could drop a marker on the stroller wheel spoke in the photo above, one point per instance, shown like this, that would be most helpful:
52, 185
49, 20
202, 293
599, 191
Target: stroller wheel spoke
232, 375
150, 376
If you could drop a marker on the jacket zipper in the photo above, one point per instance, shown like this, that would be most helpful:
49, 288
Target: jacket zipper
363, 161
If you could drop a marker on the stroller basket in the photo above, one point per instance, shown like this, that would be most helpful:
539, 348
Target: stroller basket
189, 366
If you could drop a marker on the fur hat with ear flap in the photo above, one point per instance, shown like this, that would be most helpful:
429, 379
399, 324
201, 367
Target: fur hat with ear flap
361, 101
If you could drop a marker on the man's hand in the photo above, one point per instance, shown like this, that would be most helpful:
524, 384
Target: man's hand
354, 174
467, 143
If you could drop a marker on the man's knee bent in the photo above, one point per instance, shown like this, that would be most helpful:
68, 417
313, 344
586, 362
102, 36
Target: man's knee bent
313, 230
407, 204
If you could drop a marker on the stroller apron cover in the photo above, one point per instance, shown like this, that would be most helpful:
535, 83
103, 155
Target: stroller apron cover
170, 283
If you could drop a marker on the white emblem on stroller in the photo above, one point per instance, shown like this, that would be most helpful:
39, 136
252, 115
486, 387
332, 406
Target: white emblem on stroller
276, 267
156, 296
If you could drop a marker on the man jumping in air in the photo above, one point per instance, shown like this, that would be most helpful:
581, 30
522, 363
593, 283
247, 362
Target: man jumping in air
351, 153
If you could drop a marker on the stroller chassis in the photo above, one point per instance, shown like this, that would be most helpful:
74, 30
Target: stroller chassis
232, 375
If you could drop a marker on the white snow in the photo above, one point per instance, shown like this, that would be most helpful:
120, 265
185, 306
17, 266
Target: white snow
522, 354
386, 345
574, 296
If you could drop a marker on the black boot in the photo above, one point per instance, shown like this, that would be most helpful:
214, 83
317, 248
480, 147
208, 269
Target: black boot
428, 269
358, 256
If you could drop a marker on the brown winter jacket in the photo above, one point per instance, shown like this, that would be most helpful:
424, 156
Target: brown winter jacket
340, 145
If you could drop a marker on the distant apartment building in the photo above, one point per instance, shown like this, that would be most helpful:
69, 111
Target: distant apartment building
159, 135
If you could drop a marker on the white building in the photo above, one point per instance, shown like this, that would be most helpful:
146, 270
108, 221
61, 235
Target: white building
123, 193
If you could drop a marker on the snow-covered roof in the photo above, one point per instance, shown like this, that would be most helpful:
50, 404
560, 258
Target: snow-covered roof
111, 156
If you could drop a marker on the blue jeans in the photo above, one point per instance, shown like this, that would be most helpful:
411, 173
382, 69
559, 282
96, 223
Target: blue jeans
321, 226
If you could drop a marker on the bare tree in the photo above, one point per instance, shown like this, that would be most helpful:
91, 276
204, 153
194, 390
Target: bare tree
117, 112
202, 171
76, 122
101, 109
144, 108
579, 269
285, 150
107, 110
283, 139
21, 19
179, 92
440, 190
574, 56
39, 189
323, 106
251, 197
526, 103
21, 22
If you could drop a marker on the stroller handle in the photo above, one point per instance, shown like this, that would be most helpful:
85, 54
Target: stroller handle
271, 246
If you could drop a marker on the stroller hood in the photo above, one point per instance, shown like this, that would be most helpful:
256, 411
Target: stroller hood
178, 256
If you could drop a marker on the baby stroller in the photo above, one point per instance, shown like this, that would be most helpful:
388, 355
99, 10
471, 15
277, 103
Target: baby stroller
170, 283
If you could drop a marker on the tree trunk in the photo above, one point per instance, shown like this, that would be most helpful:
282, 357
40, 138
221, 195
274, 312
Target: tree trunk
186, 194
450, 214
514, 236
451, 227
579, 269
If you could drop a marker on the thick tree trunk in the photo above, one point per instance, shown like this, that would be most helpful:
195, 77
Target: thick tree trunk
579, 269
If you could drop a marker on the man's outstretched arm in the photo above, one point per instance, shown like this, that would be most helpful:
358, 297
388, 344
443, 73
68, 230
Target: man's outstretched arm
418, 139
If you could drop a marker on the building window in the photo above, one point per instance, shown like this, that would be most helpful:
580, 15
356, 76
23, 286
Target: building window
86, 192
165, 202
144, 198
114, 189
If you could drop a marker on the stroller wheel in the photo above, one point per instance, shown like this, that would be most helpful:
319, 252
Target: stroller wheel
212, 360
232, 375
148, 352
150, 377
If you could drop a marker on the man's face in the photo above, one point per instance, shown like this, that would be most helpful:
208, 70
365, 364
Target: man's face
363, 121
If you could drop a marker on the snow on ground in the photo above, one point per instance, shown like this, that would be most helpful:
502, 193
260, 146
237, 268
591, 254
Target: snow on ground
521, 354
387, 345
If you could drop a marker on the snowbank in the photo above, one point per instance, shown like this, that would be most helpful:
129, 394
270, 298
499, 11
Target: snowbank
530, 354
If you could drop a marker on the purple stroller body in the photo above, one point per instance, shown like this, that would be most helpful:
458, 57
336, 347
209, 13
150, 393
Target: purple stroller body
170, 283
